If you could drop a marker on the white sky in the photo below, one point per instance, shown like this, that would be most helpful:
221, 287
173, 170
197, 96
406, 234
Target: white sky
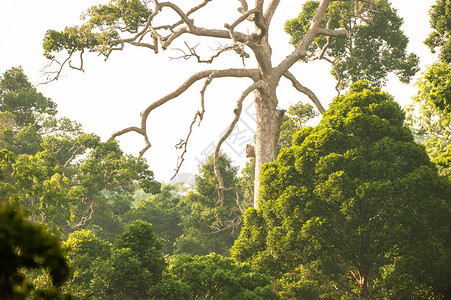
110, 95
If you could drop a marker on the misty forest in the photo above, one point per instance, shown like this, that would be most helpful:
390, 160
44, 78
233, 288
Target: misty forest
354, 205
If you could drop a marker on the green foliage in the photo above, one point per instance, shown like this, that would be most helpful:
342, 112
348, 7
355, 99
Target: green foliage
438, 81
217, 277
372, 49
429, 116
210, 226
126, 13
26, 246
440, 20
165, 212
294, 120
65, 177
101, 31
146, 246
85, 252
122, 276
135, 265
19, 97
355, 208
248, 178
21, 109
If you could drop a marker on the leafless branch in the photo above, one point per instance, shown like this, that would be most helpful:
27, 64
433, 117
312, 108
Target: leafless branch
237, 112
192, 53
358, 13
249, 73
314, 29
58, 72
372, 2
183, 144
332, 32
244, 7
73, 156
298, 86
231, 224
80, 68
87, 218
270, 10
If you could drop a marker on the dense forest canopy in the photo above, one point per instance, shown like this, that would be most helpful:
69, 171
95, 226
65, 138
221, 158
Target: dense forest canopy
355, 207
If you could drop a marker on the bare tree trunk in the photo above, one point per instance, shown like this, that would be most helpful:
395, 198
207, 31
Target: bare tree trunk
269, 119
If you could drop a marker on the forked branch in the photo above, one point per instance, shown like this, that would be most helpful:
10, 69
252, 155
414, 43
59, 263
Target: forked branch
249, 73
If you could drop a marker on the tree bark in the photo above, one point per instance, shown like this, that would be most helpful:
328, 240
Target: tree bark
269, 120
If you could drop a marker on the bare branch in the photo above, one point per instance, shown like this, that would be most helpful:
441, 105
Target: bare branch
81, 62
249, 73
58, 73
73, 156
199, 114
301, 49
305, 91
177, 9
358, 13
85, 219
219, 51
270, 10
372, 2
237, 112
244, 7
332, 32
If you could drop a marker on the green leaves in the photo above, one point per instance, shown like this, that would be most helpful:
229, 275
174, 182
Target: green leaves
375, 45
430, 114
126, 14
352, 197
440, 16
26, 246
210, 226
101, 31
438, 79
19, 97
216, 277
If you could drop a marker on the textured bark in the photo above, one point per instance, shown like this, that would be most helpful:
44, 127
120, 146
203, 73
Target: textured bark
269, 120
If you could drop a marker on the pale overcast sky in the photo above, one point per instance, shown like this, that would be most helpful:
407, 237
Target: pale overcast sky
110, 95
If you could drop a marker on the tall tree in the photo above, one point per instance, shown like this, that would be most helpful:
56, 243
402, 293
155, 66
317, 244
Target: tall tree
85, 252
354, 208
111, 27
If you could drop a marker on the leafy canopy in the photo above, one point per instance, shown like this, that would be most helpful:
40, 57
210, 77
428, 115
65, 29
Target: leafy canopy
440, 20
374, 47
354, 207
118, 16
